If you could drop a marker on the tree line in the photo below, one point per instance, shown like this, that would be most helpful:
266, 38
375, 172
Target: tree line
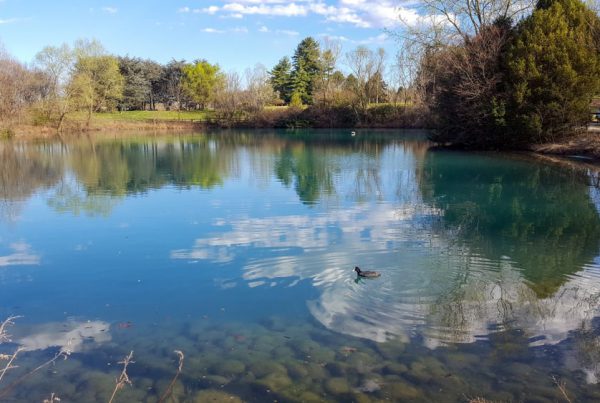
84, 77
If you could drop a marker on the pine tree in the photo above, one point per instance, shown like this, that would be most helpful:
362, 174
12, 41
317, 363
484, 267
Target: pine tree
307, 68
280, 79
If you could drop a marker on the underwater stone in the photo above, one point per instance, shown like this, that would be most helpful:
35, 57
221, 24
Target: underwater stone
228, 368
263, 368
462, 360
337, 386
282, 352
395, 368
336, 369
401, 391
390, 350
215, 396
310, 397
296, 370
215, 380
275, 381
316, 371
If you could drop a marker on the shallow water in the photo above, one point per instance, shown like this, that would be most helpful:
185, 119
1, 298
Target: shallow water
238, 249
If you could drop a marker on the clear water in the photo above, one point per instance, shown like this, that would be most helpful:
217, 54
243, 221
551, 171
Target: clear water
238, 249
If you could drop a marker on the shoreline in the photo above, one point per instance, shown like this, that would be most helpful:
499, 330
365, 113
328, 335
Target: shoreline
585, 147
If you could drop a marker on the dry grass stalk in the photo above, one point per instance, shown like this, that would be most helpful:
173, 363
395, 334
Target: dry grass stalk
479, 400
123, 379
562, 387
53, 399
10, 359
63, 353
4, 336
170, 387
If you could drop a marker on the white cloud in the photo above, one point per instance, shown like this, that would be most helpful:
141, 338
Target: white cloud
287, 32
9, 21
360, 13
184, 10
213, 31
236, 30
263, 29
110, 10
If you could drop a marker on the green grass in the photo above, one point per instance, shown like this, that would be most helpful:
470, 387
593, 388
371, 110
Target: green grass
144, 116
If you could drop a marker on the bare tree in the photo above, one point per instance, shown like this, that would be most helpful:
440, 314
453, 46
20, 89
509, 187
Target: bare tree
259, 91
326, 82
15, 89
466, 18
57, 64
365, 65
228, 100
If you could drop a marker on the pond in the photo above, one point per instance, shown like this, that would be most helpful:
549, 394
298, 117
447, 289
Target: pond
238, 249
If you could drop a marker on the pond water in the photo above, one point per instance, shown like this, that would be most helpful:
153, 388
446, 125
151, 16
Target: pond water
238, 249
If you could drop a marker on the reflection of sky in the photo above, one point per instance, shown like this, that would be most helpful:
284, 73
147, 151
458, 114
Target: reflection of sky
73, 336
22, 255
429, 287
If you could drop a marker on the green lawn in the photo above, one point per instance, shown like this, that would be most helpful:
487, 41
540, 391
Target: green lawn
143, 116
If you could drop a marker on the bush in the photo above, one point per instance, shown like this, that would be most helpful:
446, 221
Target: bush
553, 67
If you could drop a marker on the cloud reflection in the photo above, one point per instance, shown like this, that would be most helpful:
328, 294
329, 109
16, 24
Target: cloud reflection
22, 255
441, 291
71, 335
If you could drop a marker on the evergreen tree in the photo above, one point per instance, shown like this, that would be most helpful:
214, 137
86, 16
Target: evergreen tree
553, 68
307, 68
280, 79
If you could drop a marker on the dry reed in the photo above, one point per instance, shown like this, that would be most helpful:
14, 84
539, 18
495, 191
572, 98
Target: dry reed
53, 398
170, 387
562, 387
123, 379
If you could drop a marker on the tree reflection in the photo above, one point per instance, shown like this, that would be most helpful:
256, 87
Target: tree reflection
23, 171
119, 168
540, 216
309, 169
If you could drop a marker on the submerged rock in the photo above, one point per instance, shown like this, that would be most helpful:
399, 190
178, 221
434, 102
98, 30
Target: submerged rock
275, 381
369, 386
215, 396
229, 368
401, 391
337, 386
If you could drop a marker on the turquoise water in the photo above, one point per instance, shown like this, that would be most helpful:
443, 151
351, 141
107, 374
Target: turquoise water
238, 249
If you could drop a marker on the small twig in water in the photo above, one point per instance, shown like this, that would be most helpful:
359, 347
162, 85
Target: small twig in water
123, 379
53, 399
562, 386
64, 353
10, 359
170, 387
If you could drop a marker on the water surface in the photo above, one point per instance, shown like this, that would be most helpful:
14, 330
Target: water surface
238, 249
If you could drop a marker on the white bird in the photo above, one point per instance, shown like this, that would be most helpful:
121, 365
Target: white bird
353, 134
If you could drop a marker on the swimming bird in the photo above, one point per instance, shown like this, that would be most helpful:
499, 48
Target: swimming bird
353, 134
365, 273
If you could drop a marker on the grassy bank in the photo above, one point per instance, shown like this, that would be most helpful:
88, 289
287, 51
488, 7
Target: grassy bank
585, 145
376, 116
76, 123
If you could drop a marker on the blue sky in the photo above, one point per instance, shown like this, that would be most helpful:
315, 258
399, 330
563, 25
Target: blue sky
234, 33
